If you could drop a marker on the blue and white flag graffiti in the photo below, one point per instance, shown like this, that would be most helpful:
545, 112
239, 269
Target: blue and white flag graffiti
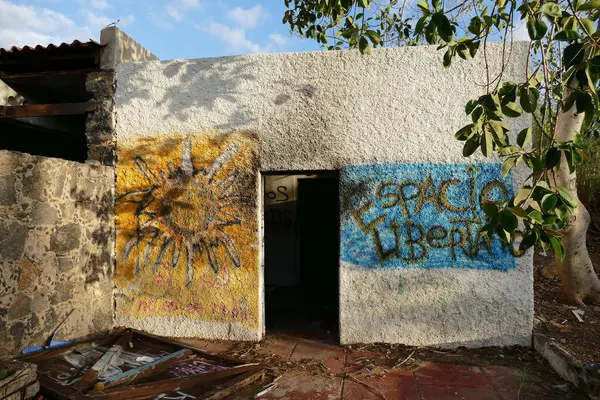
421, 216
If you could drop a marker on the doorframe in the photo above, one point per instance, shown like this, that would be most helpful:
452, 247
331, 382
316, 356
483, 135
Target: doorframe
330, 173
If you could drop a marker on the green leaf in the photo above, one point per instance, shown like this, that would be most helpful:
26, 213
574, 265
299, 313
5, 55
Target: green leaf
582, 102
490, 209
519, 212
477, 113
363, 46
470, 146
508, 164
464, 132
529, 239
471, 106
522, 195
588, 26
487, 143
557, 246
423, 6
552, 158
565, 196
529, 99
562, 212
475, 26
551, 10
536, 28
445, 29
508, 221
512, 110
463, 51
524, 137
447, 58
566, 35
549, 202
536, 216
588, 5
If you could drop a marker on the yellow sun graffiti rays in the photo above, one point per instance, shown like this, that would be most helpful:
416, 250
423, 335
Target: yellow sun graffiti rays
182, 211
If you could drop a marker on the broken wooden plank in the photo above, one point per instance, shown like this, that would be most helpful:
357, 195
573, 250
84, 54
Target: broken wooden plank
146, 370
55, 390
167, 385
235, 385
43, 110
227, 360
91, 376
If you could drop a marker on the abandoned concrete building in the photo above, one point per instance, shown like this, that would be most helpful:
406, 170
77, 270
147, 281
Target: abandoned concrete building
225, 198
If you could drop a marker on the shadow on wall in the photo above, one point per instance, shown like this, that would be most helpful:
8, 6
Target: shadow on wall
200, 86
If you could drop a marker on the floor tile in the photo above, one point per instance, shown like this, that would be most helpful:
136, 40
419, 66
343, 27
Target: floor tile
394, 386
334, 357
295, 387
451, 375
432, 392
281, 348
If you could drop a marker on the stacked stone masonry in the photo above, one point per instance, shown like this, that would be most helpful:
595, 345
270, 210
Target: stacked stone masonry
100, 124
56, 247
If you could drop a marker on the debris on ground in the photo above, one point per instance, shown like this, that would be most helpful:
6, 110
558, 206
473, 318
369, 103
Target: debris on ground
575, 329
129, 364
18, 380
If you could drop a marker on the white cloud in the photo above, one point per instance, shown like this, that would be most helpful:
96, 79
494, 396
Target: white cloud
100, 4
177, 8
278, 39
27, 25
97, 22
234, 37
248, 18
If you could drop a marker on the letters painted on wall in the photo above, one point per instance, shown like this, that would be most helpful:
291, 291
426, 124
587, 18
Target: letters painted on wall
187, 230
421, 215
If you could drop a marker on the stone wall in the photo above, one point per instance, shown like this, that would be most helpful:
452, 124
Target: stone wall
56, 249
100, 124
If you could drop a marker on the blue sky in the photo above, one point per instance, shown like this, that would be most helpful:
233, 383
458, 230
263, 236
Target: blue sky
168, 28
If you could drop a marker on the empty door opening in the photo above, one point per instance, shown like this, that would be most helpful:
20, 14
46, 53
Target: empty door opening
301, 254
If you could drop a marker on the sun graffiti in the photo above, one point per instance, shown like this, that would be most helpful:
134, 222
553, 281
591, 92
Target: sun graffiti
182, 212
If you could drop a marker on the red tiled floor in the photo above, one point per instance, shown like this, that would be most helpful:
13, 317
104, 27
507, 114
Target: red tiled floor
451, 375
355, 360
504, 380
282, 348
431, 392
394, 386
302, 387
334, 357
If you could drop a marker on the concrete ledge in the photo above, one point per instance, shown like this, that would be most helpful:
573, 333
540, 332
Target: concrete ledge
565, 365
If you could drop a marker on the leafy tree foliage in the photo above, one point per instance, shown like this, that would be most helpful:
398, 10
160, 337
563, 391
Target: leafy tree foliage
562, 75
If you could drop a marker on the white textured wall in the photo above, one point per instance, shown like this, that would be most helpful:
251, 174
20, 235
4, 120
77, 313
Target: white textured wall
324, 110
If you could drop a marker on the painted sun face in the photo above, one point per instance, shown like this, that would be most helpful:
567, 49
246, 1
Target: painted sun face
182, 212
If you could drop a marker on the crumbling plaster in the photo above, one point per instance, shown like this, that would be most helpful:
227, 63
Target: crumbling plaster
56, 249
326, 110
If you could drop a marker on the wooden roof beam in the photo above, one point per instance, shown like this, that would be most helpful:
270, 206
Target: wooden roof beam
43, 110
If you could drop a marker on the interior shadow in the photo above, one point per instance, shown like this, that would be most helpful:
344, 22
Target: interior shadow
302, 257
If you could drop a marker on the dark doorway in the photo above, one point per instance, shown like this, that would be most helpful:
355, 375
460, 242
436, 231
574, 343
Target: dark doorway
302, 255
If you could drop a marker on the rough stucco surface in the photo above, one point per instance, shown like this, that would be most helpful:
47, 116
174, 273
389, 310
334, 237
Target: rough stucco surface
187, 235
326, 110
55, 249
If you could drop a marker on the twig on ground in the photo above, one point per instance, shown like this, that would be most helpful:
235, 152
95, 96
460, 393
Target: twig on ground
369, 387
